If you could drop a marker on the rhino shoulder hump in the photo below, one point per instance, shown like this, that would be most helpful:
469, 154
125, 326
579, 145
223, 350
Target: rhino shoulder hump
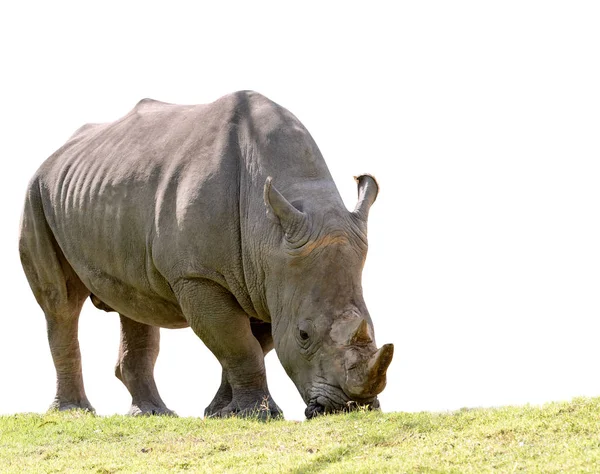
147, 102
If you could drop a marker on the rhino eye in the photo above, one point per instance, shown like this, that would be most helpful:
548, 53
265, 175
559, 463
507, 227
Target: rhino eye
305, 329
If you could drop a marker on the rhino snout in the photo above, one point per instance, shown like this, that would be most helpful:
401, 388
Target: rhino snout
363, 377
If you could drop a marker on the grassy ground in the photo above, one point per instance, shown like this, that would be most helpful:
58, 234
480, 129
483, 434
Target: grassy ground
559, 437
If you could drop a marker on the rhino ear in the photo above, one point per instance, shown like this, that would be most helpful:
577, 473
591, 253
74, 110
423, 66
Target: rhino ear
367, 193
279, 208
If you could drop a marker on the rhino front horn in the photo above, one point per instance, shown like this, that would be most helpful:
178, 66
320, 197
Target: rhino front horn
377, 367
380, 361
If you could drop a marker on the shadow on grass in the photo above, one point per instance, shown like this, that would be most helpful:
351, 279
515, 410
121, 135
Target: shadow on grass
322, 461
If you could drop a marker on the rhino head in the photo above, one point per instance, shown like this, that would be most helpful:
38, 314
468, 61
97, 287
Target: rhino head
322, 331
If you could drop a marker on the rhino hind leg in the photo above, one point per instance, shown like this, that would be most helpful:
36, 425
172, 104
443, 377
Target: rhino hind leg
138, 351
61, 294
216, 317
262, 333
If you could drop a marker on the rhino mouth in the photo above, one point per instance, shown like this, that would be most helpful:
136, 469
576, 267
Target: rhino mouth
326, 399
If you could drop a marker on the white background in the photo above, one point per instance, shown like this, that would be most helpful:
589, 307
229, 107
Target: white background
481, 121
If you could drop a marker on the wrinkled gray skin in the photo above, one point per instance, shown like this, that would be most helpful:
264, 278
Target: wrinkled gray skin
170, 217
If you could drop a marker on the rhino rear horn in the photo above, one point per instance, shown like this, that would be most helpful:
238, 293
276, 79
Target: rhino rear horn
278, 207
367, 193
361, 335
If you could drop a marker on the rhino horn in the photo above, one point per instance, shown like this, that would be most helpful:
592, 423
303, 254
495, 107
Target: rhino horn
379, 362
367, 193
368, 378
376, 368
361, 334
290, 218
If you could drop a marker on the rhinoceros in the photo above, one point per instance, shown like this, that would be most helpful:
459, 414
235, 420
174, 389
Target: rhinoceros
221, 217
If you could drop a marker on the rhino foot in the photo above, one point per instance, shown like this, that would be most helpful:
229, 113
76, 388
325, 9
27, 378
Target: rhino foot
148, 409
62, 405
215, 407
265, 410
222, 398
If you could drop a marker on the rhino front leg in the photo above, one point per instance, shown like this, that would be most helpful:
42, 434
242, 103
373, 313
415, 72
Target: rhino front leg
138, 351
222, 398
216, 317
262, 333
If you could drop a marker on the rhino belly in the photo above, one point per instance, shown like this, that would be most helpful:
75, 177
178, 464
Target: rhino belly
111, 294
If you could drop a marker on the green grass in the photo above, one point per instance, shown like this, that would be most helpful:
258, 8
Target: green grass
558, 437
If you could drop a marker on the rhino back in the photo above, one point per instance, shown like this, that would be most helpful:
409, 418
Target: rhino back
170, 192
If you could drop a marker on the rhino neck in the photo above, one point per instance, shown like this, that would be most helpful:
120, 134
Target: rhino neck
275, 144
